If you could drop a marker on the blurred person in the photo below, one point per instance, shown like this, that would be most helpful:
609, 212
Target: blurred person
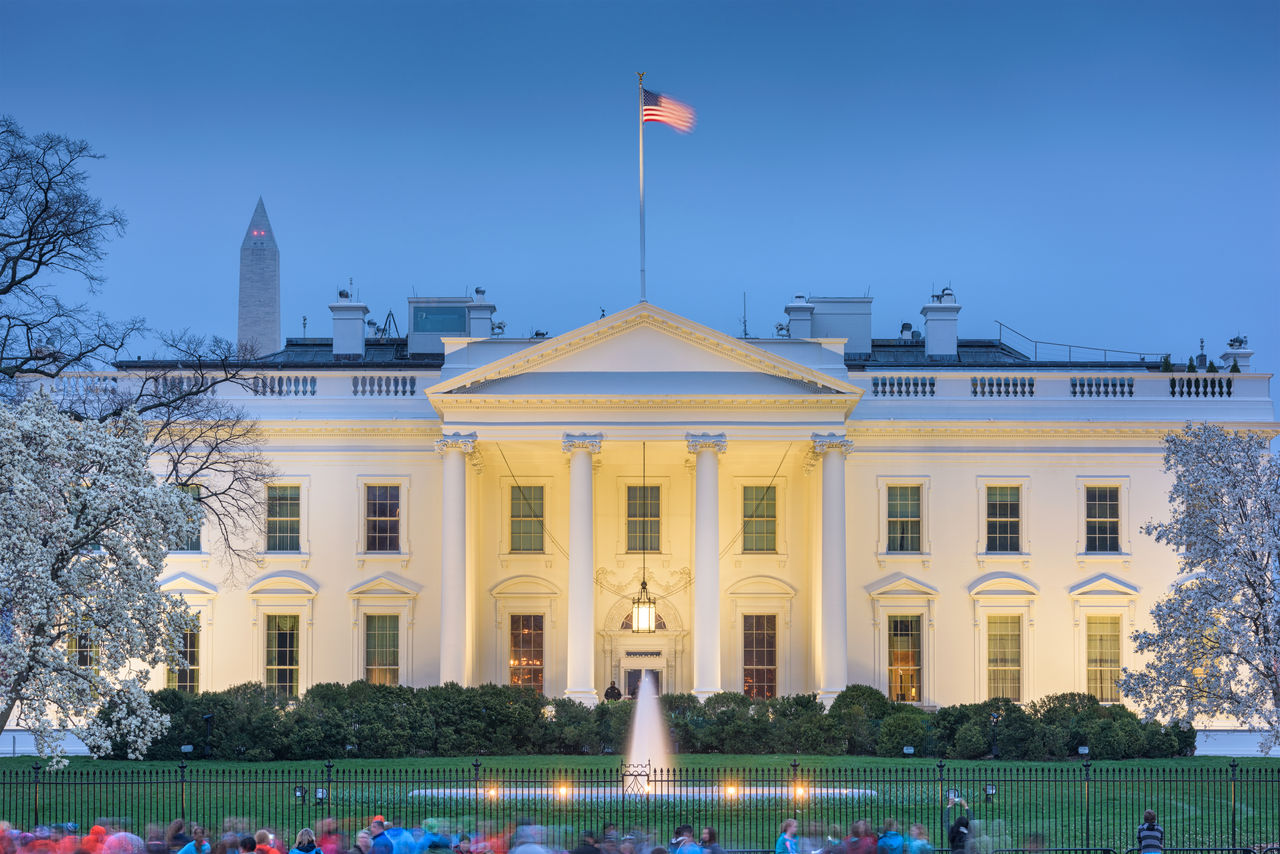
175, 835
364, 843
527, 839
1150, 834
331, 840
959, 837
586, 844
304, 842
1033, 842
264, 842
812, 841
891, 841
198, 843
786, 843
124, 843
683, 842
464, 844
248, 844
155, 843
860, 839
379, 841
41, 840
918, 840
709, 839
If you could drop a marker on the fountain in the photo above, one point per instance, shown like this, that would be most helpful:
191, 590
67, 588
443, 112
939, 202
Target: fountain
647, 746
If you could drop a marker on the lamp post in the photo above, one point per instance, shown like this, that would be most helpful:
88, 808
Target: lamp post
995, 748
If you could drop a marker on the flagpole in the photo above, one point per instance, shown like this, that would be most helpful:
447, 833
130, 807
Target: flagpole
640, 85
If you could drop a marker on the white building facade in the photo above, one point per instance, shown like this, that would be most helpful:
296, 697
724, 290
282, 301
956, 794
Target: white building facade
945, 519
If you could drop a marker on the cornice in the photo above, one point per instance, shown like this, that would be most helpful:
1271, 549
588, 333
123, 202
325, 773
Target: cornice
826, 402
1143, 430
416, 429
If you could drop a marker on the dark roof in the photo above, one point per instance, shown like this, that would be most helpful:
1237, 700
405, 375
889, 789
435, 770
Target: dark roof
889, 353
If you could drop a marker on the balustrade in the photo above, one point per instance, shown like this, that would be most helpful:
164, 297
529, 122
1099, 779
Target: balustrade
383, 386
1003, 386
908, 386
283, 385
1206, 386
1110, 387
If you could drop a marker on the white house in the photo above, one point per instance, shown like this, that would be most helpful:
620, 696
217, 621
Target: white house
946, 519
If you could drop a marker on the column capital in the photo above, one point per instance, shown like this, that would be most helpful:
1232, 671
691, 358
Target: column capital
706, 442
823, 442
465, 442
589, 442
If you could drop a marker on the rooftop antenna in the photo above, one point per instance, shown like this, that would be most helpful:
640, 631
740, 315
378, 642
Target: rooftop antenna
745, 334
304, 326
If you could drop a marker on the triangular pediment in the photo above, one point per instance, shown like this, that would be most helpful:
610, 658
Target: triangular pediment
386, 584
643, 350
186, 584
900, 584
1102, 584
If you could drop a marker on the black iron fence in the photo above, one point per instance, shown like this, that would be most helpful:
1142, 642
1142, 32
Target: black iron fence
1072, 806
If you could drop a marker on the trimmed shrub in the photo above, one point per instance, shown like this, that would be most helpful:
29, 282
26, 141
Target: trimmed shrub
899, 730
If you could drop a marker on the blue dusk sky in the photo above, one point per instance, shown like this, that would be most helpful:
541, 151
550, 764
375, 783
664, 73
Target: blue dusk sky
1097, 173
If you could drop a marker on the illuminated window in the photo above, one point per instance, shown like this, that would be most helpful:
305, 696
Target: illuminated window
906, 661
1102, 662
903, 518
1004, 657
643, 518
192, 543
187, 679
81, 653
759, 519
282, 654
760, 655
1102, 518
659, 622
284, 518
526, 519
382, 649
382, 518
1004, 519
526, 650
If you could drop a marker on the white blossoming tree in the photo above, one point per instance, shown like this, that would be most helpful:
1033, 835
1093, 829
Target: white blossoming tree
84, 529
1215, 646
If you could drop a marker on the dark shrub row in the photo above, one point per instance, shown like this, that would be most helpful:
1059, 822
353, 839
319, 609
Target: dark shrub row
361, 720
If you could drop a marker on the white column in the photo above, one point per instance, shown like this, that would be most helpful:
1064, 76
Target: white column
833, 595
454, 622
580, 615
706, 448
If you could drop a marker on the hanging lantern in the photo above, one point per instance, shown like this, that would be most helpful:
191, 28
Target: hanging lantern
644, 612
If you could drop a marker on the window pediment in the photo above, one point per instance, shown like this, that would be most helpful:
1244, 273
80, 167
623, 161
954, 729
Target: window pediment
524, 585
1102, 584
186, 584
385, 584
762, 585
900, 584
285, 582
1003, 584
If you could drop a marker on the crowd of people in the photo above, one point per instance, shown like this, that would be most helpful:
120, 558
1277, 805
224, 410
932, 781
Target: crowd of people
433, 836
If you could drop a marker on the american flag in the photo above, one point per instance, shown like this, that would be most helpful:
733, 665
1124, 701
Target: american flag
659, 108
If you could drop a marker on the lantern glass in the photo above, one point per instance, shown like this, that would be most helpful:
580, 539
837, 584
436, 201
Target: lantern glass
644, 615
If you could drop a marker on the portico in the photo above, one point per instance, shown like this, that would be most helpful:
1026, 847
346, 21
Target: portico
695, 461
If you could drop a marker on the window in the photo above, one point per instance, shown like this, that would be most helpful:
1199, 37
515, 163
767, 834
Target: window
1102, 663
382, 518
904, 518
905, 659
760, 654
382, 649
187, 679
192, 543
1102, 518
441, 321
81, 653
526, 519
759, 518
643, 518
282, 654
1004, 522
526, 650
1004, 657
284, 519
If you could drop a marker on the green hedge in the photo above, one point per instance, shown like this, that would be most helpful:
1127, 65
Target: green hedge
362, 720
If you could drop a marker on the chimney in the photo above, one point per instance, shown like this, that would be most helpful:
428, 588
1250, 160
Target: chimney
1239, 352
799, 317
480, 316
844, 317
348, 328
941, 322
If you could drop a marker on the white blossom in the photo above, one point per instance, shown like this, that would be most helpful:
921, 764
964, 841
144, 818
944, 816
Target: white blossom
84, 530
1215, 646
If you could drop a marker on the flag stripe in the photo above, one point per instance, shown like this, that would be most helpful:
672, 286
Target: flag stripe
659, 108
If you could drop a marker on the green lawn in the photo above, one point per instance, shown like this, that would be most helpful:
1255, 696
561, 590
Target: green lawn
1199, 800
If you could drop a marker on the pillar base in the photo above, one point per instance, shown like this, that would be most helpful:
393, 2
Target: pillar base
587, 698
703, 694
826, 698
